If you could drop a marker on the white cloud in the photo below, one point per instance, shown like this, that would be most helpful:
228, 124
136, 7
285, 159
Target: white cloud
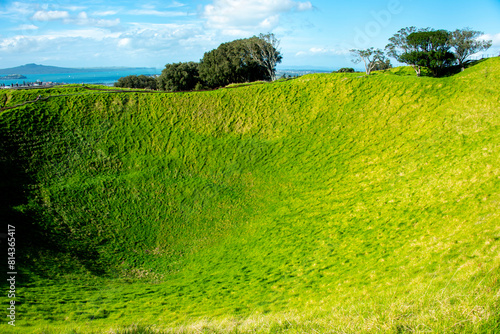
14, 44
29, 44
105, 13
70, 47
318, 50
17, 10
176, 4
26, 27
81, 18
242, 15
145, 35
168, 42
494, 38
84, 20
303, 6
124, 42
139, 36
52, 15
154, 12
65, 41
75, 8
97, 34
323, 51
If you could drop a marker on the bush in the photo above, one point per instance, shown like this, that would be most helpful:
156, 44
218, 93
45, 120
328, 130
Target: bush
346, 70
134, 81
180, 77
383, 65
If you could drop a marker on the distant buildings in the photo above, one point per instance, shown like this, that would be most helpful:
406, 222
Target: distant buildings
36, 84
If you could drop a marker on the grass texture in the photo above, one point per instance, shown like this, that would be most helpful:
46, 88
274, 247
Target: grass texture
331, 203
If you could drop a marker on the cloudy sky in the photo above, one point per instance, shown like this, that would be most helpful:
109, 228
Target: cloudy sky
152, 33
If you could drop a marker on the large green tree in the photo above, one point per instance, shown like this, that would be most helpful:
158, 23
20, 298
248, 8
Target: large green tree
232, 62
465, 43
431, 50
179, 77
398, 45
422, 48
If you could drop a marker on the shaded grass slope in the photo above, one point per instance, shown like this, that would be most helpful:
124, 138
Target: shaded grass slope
331, 202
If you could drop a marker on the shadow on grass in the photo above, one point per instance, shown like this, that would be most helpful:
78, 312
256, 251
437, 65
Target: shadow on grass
35, 241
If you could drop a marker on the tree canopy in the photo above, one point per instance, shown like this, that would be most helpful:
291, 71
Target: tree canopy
137, 81
371, 58
433, 49
399, 45
383, 65
242, 60
429, 49
345, 70
465, 43
264, 51
179, 77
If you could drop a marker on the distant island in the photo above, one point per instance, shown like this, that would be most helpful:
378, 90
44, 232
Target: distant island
12, 77
31, 69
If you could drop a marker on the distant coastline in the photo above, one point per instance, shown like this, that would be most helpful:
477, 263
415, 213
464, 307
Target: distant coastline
34, 75
34, 69
101, 76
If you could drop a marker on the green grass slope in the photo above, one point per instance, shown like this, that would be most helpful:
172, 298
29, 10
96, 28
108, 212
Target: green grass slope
328, 203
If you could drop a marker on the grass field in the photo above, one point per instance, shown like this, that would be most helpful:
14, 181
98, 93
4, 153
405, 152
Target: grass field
331, 203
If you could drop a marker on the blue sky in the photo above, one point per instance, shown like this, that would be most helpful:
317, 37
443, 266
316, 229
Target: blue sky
313, 33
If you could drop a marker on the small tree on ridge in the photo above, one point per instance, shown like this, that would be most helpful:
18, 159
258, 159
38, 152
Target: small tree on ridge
465, 43
371, 58
399, 45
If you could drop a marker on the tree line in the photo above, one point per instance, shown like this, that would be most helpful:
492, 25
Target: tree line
252, 59
243, 60
439, 51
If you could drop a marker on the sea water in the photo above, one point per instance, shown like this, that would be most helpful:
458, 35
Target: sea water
105, 78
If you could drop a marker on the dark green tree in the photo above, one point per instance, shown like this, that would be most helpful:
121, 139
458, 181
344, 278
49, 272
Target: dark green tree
345, 70
136, 81
422, 48
465, 43
179, 77
231, 63
431, 49
399, 45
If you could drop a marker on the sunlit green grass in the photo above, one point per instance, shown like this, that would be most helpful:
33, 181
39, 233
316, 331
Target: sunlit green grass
331, 202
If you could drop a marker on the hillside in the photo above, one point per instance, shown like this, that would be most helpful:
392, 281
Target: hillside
327, 203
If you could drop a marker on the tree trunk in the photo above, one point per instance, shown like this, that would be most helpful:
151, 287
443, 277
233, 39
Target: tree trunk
417, 69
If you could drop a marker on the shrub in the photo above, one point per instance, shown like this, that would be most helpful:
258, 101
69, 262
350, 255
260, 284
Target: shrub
134, 81
346, 70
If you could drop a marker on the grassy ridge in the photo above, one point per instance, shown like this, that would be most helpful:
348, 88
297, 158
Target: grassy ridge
327, 202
